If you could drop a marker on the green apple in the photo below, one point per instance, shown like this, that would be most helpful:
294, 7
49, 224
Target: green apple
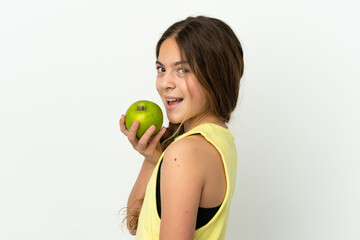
147, 113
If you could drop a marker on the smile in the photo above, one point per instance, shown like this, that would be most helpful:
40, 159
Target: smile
173, 99
173, 102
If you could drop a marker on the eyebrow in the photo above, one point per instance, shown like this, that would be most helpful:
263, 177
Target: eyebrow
182, 62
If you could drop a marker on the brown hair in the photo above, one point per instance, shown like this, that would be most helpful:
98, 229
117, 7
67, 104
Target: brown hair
215, 55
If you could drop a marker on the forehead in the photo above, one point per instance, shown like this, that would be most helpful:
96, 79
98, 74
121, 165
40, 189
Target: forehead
169, 52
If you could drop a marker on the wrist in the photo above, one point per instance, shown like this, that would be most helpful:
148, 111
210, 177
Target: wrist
152, 160
149, 163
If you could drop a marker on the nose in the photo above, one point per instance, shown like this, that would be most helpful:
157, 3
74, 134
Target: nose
167, 81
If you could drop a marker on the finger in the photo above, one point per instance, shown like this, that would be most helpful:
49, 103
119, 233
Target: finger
122, 125
157, 138
143, 142
132, 133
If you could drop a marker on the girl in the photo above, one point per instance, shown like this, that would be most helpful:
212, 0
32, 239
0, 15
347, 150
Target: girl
187, 179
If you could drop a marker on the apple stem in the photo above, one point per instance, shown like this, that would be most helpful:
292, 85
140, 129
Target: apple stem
141, 108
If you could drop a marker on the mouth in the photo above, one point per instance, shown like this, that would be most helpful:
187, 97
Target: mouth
173, 102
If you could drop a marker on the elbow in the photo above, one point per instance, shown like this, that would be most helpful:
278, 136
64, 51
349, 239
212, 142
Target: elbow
132, 216
131, 229
132, 224
132, 232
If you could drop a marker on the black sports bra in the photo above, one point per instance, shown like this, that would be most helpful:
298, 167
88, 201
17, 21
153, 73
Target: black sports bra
204, 214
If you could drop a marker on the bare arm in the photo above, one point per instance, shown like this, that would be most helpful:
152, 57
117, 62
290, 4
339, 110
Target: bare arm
150, 148
137, 195
182, 181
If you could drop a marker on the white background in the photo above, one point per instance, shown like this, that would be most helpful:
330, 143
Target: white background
69, 69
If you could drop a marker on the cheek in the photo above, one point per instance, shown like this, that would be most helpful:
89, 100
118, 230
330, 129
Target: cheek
157, 85
199, 95
203, 102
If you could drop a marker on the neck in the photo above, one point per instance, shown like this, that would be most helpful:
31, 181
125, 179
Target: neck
207, 118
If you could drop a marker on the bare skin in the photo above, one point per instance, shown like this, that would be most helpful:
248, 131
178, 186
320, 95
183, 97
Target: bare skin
150, 148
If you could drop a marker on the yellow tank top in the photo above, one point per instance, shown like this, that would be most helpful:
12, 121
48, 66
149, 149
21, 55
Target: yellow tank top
215, 229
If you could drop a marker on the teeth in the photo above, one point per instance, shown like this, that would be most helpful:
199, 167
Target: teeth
173, 99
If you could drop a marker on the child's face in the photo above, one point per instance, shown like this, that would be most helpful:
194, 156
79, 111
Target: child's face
183, 96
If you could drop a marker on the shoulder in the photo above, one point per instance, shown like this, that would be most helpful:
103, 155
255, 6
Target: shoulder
189, 156
192, 149
192, 144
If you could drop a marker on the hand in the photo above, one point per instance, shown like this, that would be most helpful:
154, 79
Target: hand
147, 145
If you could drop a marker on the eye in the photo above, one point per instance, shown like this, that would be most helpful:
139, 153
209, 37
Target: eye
160, 69
183, 70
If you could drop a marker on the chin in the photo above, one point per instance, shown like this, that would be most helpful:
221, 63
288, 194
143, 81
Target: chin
174, 119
